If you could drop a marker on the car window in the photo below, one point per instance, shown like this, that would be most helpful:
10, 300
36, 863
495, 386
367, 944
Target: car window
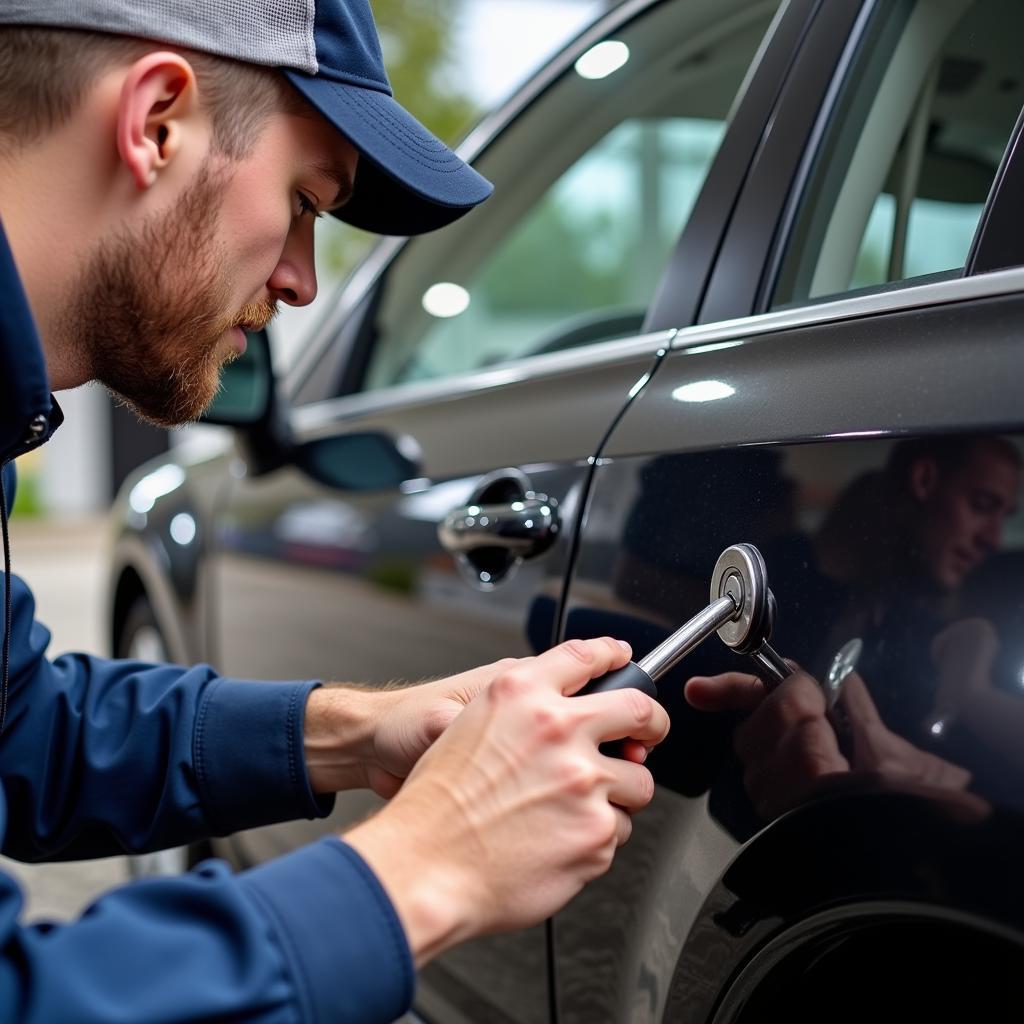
911, 151
594, 182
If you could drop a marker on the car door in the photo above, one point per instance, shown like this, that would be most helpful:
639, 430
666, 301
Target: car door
494, 356
850, 404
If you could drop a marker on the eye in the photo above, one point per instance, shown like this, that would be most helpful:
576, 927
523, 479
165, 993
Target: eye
307, 206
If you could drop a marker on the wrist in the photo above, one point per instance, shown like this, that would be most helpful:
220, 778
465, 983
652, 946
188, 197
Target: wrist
338, 736
427, 891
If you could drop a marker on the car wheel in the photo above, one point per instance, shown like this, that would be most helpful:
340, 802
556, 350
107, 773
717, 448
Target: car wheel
141, 640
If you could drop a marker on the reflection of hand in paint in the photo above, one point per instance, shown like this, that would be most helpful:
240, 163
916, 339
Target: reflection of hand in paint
876, 748
964, 655
787, 745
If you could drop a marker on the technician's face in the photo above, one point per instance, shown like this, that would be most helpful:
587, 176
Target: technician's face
161, 308
965, 515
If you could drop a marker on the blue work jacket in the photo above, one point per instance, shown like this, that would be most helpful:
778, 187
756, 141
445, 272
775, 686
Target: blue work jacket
101, 757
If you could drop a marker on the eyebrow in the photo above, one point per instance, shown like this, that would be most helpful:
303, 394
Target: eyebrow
341, 177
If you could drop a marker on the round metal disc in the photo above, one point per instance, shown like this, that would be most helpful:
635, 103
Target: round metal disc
740, 572
842, 665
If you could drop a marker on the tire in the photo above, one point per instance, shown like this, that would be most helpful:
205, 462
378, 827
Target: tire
142, 640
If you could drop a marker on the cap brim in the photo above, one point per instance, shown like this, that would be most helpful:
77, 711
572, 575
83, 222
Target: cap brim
408, 181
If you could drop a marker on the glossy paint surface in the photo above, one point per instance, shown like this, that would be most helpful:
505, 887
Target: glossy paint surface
910, 541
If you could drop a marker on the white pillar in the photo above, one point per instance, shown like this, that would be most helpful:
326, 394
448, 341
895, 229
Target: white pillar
75, 475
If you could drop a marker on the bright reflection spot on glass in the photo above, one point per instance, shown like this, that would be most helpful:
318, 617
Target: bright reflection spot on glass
485, 577
528, 524
473, 510
703, 391
602, 60
517, 506
149, 489
183, 529
445, 300
938, 727
484, 521
544, 510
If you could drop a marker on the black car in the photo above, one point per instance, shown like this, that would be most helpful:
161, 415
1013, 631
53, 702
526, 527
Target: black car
753, 273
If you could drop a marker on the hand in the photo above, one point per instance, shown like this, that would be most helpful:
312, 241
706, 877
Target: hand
514, 809
876, 748
788, 745
964, 654
363, 738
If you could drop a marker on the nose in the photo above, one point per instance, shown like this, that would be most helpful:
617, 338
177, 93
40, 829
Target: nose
293, 280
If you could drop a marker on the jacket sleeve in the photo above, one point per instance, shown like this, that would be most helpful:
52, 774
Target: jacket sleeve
101, 757
310, 937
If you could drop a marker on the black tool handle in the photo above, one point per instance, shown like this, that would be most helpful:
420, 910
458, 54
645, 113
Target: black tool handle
630, 676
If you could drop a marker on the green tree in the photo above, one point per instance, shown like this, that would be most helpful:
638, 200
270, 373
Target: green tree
417, 37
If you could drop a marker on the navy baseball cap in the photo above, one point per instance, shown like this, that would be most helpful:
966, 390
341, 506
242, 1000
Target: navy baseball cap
408, 181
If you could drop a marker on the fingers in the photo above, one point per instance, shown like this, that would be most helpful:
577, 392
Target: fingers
792, 707
631, 786
566, 668
634, 750
622, 714
857, 703
576, 662
782, 776
730, 691
623, 827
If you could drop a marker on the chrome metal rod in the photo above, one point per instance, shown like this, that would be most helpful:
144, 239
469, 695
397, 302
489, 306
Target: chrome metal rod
668, 654
774, 665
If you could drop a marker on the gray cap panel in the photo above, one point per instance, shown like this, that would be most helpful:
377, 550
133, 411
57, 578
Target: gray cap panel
277, 33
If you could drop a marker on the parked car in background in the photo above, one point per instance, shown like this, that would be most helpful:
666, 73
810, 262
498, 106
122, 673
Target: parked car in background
753, 272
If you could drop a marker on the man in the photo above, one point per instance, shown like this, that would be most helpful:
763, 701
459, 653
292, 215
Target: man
162, 165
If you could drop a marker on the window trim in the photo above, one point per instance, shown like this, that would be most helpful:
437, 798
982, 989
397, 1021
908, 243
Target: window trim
681, 290
996, 244
736, 286
930, 295
308, 419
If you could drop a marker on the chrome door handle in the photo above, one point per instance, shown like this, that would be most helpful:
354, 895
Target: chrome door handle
524, 528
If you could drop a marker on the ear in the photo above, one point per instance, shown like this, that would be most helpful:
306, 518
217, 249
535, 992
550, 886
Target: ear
924, 476
157, 100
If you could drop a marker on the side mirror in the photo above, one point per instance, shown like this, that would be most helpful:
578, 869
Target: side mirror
360, 462
246, 393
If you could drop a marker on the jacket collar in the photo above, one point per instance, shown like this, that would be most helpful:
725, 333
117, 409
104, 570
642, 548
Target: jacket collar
28, 412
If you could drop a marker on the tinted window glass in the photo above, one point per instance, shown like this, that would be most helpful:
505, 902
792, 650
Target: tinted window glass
593, 185
912, 150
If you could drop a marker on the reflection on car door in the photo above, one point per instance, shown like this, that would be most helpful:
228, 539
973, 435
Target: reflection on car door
911, 545
872, 447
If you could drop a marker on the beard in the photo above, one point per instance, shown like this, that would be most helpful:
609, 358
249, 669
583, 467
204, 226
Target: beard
149, 315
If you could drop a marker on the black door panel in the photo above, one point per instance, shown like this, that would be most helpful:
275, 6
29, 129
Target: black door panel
886, 504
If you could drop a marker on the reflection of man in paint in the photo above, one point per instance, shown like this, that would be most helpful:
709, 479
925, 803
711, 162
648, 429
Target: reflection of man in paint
924, 522
898, 547
966, 490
